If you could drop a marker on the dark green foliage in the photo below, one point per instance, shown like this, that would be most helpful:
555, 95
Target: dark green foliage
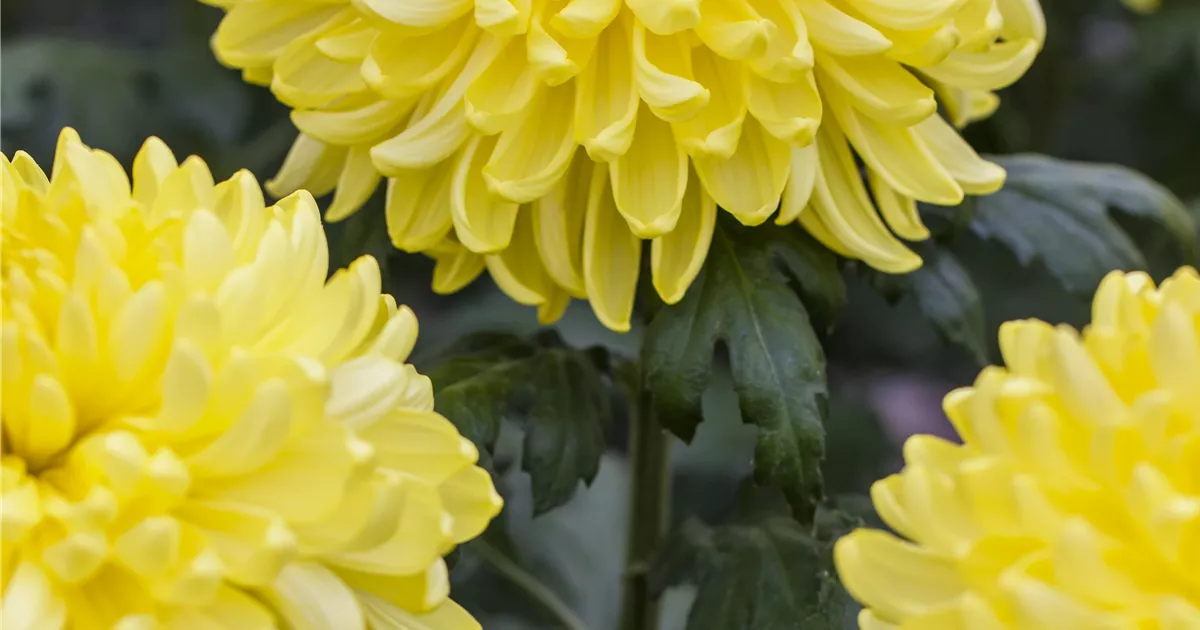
762, 571
946, 296
743, 301
559, 395
1058, 212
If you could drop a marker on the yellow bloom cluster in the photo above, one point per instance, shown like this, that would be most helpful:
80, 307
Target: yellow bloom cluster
543, 139
1074, 502
201, 430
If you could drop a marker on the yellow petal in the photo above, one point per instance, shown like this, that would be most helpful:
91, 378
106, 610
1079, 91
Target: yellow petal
417, 593
611, 256
750, 182
30, 602
253, 543
531, 157
436, 134
320, 462
841, 203
666, 17
894, 577
348, 42
421, 442
137, 335
253, 439
518, 269
554, 307
788, 111
399, 66
677, 256
482, 223
50, 424
924, 47
254, 33
309, 164
503, 18
456, 267
649, 181
789, 54
471, 499
418, 207
304, 77
734, 30
500, 97
1023, 19
358, 181
805, 165
898, 154
978, 24
557, 58
606, 104
997, 67
422, 535
833, 30
663, 69
308, 595
717, 127
154, 161
415, 13
878, 87
908, 16
558, 225
899, 211
360, 121
976, 175
448, 616
582, 19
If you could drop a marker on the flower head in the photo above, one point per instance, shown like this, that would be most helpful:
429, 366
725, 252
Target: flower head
544, 139
1074, 500
202, 431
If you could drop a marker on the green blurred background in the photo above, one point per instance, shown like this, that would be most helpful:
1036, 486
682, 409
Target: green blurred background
1111, 86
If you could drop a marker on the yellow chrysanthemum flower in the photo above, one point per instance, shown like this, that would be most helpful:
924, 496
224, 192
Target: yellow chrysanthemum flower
543, 139
1074, 502
200, 430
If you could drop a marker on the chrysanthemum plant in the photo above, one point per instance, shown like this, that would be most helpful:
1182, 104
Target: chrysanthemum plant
202, 428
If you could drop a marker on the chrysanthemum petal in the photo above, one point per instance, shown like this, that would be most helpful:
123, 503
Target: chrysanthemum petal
482, 223
558, 226
518, 269
649, 181
677, 256
418, 207
611, 256
750, 182
835, 31
308, 595
530, 158
606, 104
663, 69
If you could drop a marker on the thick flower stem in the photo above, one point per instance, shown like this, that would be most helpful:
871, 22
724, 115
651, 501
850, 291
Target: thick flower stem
650, 477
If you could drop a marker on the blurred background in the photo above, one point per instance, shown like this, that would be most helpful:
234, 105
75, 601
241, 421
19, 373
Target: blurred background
1111, 86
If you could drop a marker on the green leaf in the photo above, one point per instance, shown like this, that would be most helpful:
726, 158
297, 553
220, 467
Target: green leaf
947, 296
475, 382
762, 572
558, 394
1057, 211
744, 301
564, 438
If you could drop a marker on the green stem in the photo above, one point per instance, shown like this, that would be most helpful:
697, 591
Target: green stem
524, 580
650, 477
